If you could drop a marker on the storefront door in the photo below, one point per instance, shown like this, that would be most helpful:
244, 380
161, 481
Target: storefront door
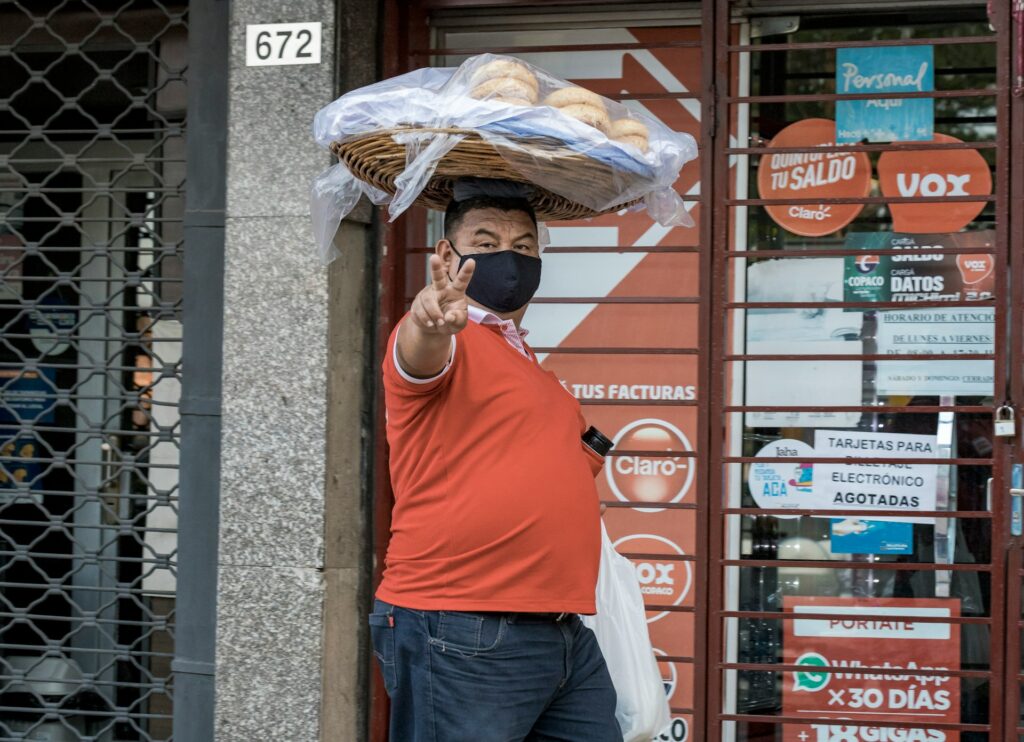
618, 316
863, 313
834, 301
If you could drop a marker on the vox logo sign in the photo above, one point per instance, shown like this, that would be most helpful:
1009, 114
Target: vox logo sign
937, 174
933, 184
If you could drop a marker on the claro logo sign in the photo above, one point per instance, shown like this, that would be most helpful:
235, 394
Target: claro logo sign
934, 174
643, 476
796, 176
662, 581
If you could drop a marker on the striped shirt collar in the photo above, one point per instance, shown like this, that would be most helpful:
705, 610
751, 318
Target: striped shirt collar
512, 334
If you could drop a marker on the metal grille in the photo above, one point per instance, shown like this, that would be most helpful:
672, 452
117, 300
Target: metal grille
92, 103
760, 73
763, 566
597, 325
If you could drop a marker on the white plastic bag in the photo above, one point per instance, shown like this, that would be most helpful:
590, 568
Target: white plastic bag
642, 708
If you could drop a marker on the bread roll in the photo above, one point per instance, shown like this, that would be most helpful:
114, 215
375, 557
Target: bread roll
639, 142
512, 101
627, 128
588, 114
505, 69
505, 87
574, 96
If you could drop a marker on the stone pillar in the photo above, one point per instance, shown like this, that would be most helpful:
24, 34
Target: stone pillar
292, 594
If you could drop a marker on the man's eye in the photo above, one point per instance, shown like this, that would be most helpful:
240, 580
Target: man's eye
487, 244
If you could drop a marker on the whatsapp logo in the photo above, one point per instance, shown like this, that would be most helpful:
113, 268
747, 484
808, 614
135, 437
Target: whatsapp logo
807, 680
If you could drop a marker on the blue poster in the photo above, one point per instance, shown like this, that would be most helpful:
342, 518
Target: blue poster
853, 536
51, 324
885, 69
21, 460
27, 396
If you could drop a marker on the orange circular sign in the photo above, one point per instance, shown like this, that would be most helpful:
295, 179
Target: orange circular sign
664, 581
643, 477
934, 174
795, 176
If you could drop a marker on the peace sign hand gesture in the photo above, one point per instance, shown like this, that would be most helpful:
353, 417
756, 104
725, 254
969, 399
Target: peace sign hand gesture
441, 307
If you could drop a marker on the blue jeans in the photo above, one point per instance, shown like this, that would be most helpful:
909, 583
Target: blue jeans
491, 677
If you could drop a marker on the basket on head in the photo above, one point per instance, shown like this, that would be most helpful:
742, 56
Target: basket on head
378, 159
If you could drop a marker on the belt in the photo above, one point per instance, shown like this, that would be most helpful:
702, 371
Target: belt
539, 617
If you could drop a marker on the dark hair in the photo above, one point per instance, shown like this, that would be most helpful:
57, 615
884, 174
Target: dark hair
457, 210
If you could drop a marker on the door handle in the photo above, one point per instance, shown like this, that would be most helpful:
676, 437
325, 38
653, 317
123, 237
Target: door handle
1017, 500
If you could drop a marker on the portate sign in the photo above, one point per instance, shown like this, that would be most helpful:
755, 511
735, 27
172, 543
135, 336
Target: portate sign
859, 635
810, 175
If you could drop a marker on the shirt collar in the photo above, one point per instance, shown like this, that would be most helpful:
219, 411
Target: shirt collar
484, 317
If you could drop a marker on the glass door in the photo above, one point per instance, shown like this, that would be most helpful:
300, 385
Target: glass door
859, 514
1010, 494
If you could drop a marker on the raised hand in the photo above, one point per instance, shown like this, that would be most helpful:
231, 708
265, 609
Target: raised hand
441, 307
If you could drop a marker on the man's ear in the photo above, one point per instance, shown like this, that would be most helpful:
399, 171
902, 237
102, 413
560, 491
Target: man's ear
446, 251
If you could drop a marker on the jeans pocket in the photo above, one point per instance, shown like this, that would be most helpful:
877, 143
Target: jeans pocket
382, 634
468, 634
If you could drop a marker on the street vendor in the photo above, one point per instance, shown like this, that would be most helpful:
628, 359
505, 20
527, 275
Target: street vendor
495, 536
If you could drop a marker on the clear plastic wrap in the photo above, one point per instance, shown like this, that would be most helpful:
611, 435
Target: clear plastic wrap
512, 106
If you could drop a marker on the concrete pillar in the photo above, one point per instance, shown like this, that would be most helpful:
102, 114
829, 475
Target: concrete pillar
293, 586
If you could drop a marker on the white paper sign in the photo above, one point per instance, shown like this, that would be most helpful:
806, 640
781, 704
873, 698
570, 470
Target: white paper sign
849, 625
808, 383
892, 489
270, 44
956, 330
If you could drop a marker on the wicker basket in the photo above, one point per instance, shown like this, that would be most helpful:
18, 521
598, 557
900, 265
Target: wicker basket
377, 159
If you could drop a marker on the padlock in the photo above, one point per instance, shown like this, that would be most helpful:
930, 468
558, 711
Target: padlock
1006, 425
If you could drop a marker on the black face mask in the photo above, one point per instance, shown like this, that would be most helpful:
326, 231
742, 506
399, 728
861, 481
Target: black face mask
503, 281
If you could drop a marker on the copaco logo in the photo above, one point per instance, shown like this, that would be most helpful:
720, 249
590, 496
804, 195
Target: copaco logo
867, 263
644, 477
662, 581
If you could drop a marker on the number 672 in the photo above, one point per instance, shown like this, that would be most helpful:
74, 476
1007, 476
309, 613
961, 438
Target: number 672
289, 45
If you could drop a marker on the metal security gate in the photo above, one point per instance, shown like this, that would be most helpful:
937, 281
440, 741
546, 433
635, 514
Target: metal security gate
619, 316
838, 344
770, 574
92, 168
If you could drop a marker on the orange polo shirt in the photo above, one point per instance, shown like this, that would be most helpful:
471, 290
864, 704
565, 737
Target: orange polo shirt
496, 508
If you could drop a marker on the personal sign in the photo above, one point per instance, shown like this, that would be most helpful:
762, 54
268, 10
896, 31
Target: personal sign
811, 175
934, 174
885, 69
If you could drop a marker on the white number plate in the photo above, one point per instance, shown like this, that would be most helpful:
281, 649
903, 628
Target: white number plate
269, 44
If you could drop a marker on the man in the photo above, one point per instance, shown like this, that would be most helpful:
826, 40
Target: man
495, 539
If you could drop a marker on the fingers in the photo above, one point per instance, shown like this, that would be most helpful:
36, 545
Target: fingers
431, 308
438, 278
465, 275
419, 315
427, 308
456, 316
